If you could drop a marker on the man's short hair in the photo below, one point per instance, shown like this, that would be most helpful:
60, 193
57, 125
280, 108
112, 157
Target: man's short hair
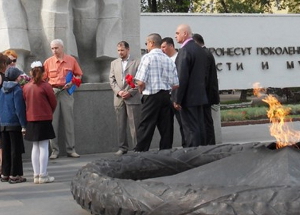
123, 43
57, 41
168, 40
155, 38
198, 38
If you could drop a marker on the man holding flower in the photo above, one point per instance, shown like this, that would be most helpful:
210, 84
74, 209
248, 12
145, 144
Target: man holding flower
57, 68
127, 101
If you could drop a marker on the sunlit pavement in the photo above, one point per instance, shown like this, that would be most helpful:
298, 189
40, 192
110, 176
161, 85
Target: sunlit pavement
55, 198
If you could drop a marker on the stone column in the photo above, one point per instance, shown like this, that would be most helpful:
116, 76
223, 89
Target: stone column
13, 29
216, 115
57, 24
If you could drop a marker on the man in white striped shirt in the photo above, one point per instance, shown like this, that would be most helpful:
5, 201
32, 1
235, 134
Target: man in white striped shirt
156, 77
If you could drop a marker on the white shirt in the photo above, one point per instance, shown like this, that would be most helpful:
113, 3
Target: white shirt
157, 71
173, 58
124, 64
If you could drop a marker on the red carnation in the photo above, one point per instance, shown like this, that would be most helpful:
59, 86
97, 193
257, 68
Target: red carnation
76, 81
129, 80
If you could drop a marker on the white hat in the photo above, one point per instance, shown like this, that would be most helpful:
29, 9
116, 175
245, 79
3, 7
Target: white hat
36, 64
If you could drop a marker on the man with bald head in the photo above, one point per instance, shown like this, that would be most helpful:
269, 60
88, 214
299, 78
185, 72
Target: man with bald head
189, 98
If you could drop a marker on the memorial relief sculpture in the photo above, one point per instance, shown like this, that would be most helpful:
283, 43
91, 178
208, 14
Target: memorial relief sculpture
13, 29
88, 28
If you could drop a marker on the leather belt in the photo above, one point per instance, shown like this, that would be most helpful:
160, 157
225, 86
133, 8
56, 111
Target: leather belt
57, 86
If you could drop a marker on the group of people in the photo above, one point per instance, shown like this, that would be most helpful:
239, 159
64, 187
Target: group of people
148, 92
166, 83
33, 110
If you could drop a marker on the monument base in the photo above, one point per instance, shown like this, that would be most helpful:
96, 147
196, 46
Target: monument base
95, 123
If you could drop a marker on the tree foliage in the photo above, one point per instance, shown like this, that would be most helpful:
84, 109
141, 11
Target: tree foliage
292, 5
170, 6
220, 6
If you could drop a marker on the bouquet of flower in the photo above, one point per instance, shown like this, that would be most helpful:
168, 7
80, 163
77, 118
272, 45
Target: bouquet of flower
130, 80
130, 83
24, 79
73, 81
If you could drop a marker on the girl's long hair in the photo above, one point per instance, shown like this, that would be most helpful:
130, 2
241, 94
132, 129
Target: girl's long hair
3, 62
37, 74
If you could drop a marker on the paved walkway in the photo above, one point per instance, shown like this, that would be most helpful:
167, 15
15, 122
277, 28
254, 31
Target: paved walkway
45, 199
55, 198
251, 133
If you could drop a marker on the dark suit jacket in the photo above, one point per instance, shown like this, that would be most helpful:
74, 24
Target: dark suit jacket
212, 85
192, 66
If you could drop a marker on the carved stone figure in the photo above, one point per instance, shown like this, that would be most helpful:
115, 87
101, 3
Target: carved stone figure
90, 30
13, 29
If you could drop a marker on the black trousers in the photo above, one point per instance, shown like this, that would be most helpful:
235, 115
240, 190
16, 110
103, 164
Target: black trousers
178, 117
12, 149
193, 125
209, 125
156, 111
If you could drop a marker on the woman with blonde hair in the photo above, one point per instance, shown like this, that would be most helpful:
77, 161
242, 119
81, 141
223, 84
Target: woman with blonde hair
40, 104
12, 57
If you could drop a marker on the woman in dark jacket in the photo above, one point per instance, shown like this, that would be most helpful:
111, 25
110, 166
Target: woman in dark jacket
3, 66
12, 122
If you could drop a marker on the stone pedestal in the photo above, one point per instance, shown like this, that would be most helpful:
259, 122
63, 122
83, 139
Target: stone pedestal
95, 123
216, 114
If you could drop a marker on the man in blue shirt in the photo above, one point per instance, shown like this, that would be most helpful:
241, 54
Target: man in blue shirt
156, 77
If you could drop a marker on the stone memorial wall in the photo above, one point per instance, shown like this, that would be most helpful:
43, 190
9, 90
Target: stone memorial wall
248, 48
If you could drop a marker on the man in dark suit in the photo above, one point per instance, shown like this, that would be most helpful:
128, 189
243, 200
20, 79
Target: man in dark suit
168, 47
212, 89
192, 66
127, 100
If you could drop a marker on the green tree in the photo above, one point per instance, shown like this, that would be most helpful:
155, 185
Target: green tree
220, 6
170, 6
256, 6
292, 5
244, 6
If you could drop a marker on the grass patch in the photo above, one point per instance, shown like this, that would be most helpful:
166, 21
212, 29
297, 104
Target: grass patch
254, 113
241, 114
230, 102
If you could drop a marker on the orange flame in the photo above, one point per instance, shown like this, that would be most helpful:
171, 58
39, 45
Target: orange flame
284, 135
